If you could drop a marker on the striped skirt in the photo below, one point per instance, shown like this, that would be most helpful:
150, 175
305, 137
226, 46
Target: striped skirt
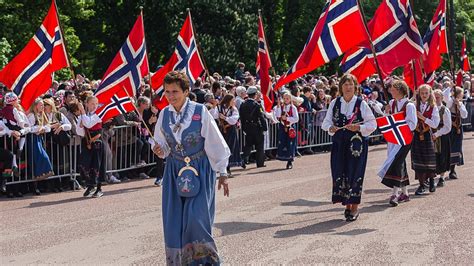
423, 158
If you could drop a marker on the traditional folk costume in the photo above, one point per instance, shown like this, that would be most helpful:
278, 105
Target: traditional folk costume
91, 162
457, 114
423, 157
229, 131
194, 150
394, 173
443, 143
349, 149
6, 160
38, 159
286, 132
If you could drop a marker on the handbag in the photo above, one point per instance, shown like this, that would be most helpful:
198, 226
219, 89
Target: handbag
188, 182
291, 133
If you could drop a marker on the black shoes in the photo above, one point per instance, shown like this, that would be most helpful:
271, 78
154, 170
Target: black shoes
352, 217
37, 192
98, 193
421, 190
289, 165
441, 182
347, 212
89, 191
432, 185
453, 175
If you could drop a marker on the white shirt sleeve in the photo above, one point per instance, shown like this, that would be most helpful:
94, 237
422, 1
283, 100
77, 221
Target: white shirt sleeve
65, 124
294, 118
4, 130
277, 112
214, 112
214, 144
447, 124
90, 121
434, 121
463, 110
447, 97
327, 122
234, 118
159, 137
411, 118
32, 121
369, 125
79, 128
20, 119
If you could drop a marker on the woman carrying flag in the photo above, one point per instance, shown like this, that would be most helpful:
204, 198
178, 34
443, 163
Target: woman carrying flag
350, 121
394, 172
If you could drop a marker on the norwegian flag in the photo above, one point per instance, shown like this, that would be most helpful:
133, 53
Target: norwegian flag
263, 65
128, 67
395, 38
465, 65
435, 42
329, 38
395, 129
29, 74
413, 74
119, 103
185, 57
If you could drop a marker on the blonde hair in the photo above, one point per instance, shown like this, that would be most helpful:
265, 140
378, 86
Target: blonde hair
431, 100
50, 102
39, 117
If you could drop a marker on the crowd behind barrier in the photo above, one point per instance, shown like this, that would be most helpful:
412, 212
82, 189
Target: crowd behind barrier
125, 151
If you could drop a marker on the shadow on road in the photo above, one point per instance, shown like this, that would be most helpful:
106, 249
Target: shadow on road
233, 228
266, 171
377, 191
322, 227
311, 212
356, 232
471, 195
374, 208
305, 203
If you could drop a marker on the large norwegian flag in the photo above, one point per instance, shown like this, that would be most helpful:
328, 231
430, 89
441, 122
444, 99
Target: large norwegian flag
395, 38
119, 103
435, 42
465, 65
185, 57
29, 74
395, 129
128, 67
340, 27
263, 65
413, 74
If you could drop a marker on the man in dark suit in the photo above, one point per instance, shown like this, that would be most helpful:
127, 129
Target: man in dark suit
253, 125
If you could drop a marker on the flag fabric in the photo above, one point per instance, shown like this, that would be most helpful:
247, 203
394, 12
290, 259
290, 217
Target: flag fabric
465, 65
29, 74
185, 57
435, 42
395, 129
395, 38
459, 78
128, 67
339, 28
263, 65
413, 74
119, 103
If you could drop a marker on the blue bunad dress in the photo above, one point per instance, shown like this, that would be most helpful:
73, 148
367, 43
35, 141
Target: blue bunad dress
189, 181
349, 149
286, 145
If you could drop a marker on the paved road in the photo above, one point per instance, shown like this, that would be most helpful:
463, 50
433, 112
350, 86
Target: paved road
273, 216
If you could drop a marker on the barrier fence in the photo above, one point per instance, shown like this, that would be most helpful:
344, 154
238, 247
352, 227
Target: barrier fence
127, 150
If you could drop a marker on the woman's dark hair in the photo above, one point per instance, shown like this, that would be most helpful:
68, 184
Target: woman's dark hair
307, 89
226, 100
344, 79
215, 86
179, 78
73, 107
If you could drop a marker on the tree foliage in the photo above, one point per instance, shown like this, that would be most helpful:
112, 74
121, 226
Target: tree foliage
226, 29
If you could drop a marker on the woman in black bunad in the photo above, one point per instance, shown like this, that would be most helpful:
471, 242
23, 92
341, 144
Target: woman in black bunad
349, 121
442, 139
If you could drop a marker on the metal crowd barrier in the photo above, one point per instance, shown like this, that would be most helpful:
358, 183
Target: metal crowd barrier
125, 150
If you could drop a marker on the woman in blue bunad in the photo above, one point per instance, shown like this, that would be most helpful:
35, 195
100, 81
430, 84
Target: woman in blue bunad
188, 137
287, 114
349, 120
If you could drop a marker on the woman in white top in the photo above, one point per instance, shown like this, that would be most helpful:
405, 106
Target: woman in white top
287, 114
442, 138
188, 137
228, 123
349, 120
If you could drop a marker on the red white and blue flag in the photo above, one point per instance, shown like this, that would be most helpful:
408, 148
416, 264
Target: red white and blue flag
395, 37
466, 66
119, 103
128, 67
263, 66
435, 42
185, 57
30, 73
395, 129
413, 74
340, 27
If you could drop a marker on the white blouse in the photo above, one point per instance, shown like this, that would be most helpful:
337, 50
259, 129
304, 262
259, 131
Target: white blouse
447, 124
4, 130
86, 121
34, 128
369, 124
232, 117
65, 124
433, 122
410, 112
215, 146
293, 119
448, 99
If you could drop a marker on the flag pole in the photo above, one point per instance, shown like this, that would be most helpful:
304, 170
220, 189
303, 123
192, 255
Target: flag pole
143, 23
372, 48
452, 33
197, 43
136, 110
71, 69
